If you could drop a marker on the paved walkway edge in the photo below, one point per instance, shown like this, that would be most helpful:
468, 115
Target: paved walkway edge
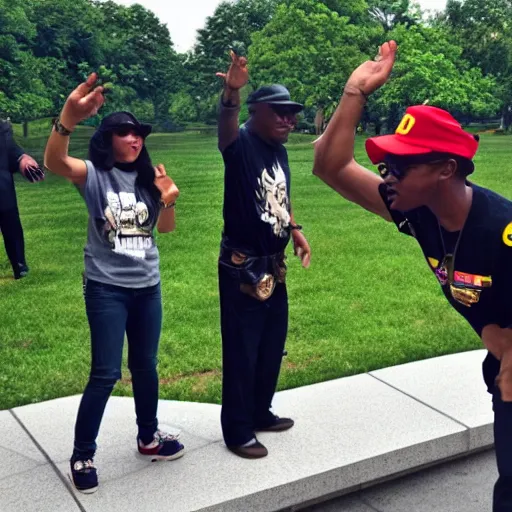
350, 434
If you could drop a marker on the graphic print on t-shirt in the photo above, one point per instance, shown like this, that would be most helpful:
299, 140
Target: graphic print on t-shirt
126, 227
273, 200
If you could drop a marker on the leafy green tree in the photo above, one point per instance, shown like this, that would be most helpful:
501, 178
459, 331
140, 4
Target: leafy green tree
309, 49
183, 108
231, 26
138, 48
431, 69
390, 13
355, 10
29, 84
483, 29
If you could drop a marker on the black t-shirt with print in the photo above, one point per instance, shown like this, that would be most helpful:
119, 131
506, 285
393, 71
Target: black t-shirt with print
256, 195
483, 260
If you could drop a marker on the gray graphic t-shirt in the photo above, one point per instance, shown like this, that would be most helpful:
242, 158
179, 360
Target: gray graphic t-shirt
120, 246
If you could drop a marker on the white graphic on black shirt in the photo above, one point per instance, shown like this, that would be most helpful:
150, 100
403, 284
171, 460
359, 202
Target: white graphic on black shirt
273, 200
126, 224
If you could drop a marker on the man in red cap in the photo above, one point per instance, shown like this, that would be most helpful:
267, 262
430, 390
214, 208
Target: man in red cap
423, 189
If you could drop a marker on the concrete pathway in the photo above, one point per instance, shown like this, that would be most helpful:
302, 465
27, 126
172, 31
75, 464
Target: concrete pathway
350, 433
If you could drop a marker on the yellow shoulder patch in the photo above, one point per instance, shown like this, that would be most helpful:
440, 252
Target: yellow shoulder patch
507, 235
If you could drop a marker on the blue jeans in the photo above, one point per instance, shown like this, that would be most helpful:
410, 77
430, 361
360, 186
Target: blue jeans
112, 311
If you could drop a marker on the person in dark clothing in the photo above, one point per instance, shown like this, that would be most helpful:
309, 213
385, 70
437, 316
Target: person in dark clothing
258, 224
12, 159
464, 231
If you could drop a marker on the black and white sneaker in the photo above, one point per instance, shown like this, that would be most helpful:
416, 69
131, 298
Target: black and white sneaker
84, 475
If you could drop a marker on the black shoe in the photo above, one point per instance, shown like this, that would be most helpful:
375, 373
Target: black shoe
84, 475
279, 425
254, 451
22, 271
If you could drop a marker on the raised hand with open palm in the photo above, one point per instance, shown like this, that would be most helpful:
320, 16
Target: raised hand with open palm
372, 74
238, 74
82, 103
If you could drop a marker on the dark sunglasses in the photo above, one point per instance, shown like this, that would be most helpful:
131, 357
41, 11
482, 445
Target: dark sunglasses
390, 169
283, 110
400, 170
123, 131
462, 293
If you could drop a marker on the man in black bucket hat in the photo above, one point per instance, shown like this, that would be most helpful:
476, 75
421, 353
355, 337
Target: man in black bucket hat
258, 224
274, 95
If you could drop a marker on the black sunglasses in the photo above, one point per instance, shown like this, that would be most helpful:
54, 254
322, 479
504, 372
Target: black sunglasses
283, 110
123, 131
399, 170
390, 169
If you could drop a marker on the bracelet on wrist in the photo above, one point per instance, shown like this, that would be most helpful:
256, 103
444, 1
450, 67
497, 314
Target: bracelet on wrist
356, 91
61, 129
168, 205
229, 103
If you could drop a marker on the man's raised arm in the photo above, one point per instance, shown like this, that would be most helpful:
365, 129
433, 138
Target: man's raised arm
334, 150
236, 77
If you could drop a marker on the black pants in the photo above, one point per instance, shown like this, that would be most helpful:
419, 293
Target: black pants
502, 500
12, 233
253, 339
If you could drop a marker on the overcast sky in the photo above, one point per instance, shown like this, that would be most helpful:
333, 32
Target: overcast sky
185, 17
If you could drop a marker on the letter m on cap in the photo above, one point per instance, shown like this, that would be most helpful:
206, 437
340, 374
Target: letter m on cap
406, 124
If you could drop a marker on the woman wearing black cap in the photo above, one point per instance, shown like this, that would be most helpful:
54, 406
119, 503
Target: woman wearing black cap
126, 198
464, 231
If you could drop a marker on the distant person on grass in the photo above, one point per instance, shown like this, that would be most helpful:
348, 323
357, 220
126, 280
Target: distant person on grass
258, 224
465, 231
12, 159
126, 198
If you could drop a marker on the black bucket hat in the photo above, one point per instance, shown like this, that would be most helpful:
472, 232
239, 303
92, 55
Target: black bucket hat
276, 94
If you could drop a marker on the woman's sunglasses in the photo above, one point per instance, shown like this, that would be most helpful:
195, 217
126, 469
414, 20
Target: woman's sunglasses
123, 131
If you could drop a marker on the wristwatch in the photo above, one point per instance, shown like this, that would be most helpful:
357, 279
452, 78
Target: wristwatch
60, 128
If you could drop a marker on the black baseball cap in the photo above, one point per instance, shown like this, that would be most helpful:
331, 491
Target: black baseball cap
121, 119
275, 94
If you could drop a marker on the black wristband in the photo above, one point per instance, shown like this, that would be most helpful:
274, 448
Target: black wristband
296, 227
230, 105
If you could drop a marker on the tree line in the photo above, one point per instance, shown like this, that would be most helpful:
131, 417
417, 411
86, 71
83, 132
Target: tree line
459, 59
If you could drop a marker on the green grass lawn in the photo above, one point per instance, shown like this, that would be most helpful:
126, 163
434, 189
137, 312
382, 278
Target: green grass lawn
368, 300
